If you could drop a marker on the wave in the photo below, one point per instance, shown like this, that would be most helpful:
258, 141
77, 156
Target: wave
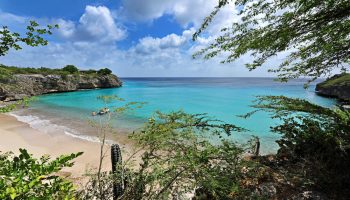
46, 126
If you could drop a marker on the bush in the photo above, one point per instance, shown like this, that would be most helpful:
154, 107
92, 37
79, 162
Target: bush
20, 103
71, 69
90, 71
314, 137
7, 108
5, 75
64, 75
178, 158
104, 71
24, 177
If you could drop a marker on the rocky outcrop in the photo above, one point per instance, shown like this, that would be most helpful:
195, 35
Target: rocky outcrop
25, 85
338, 86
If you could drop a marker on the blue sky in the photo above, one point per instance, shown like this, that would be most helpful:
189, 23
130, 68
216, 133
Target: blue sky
131, 37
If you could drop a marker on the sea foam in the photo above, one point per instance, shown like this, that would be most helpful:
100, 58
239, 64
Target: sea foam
46, 126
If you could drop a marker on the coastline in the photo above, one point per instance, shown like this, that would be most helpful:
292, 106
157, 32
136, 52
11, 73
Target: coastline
15, 134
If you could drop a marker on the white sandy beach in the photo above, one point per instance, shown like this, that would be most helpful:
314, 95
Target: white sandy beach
15, 135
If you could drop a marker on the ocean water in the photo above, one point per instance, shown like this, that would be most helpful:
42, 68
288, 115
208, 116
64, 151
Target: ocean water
220, 98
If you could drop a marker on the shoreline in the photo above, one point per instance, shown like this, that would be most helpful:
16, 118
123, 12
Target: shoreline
15, 134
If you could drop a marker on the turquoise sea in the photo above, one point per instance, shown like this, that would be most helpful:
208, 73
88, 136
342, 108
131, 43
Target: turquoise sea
220, 98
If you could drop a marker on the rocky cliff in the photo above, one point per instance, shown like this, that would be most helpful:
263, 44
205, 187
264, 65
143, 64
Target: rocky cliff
25, 85
337, 86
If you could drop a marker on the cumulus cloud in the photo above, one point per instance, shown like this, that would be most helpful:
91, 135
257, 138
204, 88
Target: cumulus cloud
143, 10
185, 12
96, 24
90, 42
150, 45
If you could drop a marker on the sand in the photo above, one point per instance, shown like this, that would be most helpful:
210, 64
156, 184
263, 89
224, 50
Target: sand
15, 135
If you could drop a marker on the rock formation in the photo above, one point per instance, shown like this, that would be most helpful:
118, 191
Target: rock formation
337, 86
26, 85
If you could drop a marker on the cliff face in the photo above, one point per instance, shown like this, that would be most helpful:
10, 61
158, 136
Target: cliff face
25, 85
338, 86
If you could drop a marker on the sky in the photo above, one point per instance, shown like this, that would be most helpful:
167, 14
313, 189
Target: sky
134, 38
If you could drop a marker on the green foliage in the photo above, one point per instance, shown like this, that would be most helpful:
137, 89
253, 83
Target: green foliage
6, 72
338, 80
316, 137
90, 191
90, 71
178, 157
28, 70
11, 40
104, 71
21, 103
7, 108
5, 75
24, 177
313, 34
71, 69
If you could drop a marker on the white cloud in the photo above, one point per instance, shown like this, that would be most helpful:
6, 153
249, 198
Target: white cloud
144, 10
184, 11
96, 24
173, 61
188, 13
7, 18
89, 43
150, 45
66, 29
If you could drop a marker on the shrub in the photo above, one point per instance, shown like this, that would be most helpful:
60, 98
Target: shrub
178, 158
71, 69
64, 75
7, 108
316, 138
5, 75
90, 71
24, 177
104, 71
21, 103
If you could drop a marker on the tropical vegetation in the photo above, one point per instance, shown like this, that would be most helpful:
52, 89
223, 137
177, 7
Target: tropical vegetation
33, 37
25, 177
7, 72
312, 36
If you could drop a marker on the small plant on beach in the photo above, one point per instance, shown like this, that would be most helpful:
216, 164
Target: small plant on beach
21, 103
7, 108
24, 177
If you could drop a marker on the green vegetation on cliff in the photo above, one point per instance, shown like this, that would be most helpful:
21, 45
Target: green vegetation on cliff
17, 83
337, 86
339, 80
7, 71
